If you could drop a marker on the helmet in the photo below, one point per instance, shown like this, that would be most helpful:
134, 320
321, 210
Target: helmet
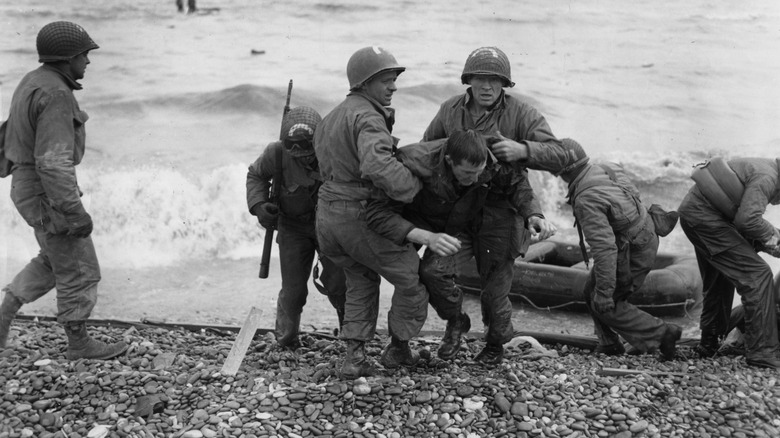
576, 156
61, 41
298, 127
367, 63
488, 61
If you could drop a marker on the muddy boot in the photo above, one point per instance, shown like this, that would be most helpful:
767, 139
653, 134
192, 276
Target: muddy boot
669, 340
286, 331
82, 346
398, 353
492, 354
708, 345
8, 310
356, 364
610, 350
450, 343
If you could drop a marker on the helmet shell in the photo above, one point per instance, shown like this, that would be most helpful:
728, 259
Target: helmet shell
369, 62
61, 41
298, 125
488, 61
576, 156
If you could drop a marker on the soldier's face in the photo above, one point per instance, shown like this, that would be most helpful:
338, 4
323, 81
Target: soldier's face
465, 172
382, 86
485, 89
78, 65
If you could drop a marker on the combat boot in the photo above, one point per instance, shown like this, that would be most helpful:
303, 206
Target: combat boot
450, 343
708, 345
615, 349
492, 354
82, 346
398, 353
669, 340
764, 362
356, 364
286, 327
8, 310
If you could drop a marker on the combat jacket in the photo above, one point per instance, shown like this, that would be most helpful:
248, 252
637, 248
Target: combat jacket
300, 182
761, 177
45, 140
442, 205
761, 180
610, 215
355, 149
514, 120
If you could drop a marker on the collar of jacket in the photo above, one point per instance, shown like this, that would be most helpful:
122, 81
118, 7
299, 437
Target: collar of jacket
69, 81
573, 184
387, 112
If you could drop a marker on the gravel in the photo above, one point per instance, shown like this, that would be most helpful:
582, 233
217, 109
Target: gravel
169, 384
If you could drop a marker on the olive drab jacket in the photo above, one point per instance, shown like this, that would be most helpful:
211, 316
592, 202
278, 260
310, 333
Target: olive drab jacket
45, 139
514, 119
300, 182
761, 180
610, 215
442, 206
355, 149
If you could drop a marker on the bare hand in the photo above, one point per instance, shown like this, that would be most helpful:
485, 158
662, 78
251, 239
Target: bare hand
508, 150
602, 303
540, 228
443, 244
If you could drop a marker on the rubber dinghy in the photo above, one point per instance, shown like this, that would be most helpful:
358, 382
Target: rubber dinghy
552, 274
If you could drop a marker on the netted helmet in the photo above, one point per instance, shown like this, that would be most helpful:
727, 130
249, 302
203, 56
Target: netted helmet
488, 61
298, 127
61, 41
577, 157
369, 62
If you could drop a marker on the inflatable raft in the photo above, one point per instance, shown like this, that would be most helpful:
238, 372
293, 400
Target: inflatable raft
553, 275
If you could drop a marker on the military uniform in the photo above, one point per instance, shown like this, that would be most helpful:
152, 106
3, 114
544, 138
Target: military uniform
300, 182
726, 249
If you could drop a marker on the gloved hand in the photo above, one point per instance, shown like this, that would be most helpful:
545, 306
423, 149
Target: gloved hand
81, 227
603, 303
267, 214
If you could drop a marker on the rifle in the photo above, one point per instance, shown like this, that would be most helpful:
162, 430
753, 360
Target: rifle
273, 197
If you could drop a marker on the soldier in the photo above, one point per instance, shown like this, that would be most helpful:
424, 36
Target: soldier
292, 160
457, 174
45, 140
503, 235
723, 218
355, 149
624, 243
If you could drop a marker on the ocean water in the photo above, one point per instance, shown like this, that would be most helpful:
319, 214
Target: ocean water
180, 106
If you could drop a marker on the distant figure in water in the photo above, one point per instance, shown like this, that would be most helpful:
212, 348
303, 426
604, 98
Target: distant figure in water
191, 7
293, 162
45, 140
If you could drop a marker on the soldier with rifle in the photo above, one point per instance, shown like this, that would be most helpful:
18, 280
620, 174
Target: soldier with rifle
290, 166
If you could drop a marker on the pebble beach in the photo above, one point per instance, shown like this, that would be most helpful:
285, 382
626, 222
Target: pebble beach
170, 384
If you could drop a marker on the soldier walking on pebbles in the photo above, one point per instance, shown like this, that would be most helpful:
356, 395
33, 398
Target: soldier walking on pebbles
623, 239
44, 141
457, 175
722, 216
503, 234
355, 151
294, 161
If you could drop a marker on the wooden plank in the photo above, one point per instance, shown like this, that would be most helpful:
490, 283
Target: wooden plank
628, 372
241, 344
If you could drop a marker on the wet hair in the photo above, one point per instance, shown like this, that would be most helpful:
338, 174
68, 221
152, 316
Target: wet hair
468, 146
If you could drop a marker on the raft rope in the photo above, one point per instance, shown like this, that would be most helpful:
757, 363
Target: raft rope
686, 305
